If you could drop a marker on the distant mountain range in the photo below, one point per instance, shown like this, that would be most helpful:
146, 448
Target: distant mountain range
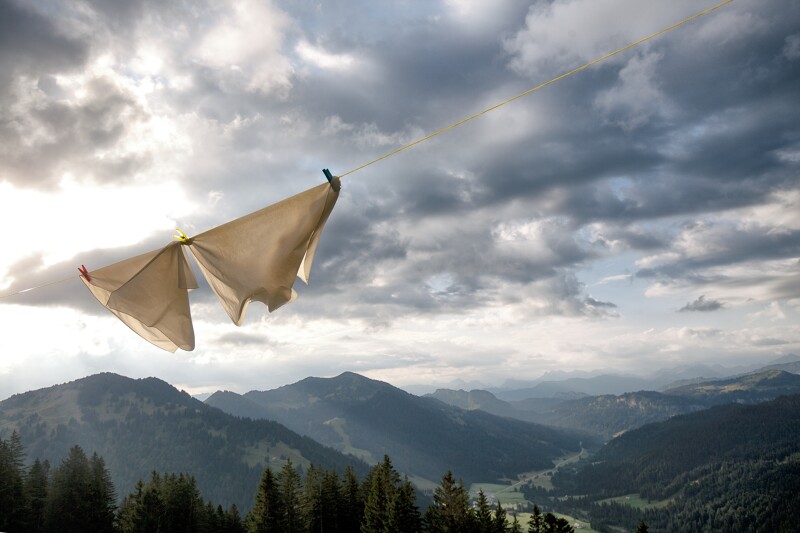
142, 425
574, 384
423, 436
609, 415
146, 424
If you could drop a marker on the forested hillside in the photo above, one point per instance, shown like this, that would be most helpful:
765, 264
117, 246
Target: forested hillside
728, 468
143, 425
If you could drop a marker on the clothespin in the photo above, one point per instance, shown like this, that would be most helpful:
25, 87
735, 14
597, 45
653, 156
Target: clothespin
181, 237
333, 180
85, 273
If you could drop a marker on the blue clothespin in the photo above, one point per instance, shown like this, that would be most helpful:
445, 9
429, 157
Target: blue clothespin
328, 175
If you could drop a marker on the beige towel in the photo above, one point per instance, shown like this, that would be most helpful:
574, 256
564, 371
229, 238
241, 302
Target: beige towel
256, 257
150, 293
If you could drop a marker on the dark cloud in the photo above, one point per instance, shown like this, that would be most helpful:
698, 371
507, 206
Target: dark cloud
597, 303
702, 305
31, 43
60, 137
725, 245
416, 233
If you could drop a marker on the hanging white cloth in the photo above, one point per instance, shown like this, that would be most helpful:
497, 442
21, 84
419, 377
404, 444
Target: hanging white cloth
149, 293
252, 258
258, 256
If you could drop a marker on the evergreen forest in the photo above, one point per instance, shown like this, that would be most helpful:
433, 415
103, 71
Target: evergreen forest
78, 495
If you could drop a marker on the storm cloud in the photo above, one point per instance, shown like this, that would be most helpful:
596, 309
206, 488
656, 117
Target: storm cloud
674, 167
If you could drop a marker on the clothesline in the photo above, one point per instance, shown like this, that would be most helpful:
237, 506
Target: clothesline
476, 115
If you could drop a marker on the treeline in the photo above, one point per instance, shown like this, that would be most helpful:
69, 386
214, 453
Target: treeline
78, 496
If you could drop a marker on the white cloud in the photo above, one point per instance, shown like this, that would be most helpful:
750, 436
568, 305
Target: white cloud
244, 48
561, 35
319, 57
76, 217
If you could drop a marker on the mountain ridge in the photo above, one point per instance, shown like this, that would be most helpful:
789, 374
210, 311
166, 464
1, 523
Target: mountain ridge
142, 425
609, 415
424, 437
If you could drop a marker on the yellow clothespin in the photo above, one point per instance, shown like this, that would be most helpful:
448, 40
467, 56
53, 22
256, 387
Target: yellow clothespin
181, 237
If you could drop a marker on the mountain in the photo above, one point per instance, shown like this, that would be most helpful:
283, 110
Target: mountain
571, 385
593, 386
423, 436
750, 388
604, 416
793, 367
609, 415
729, 468
142, 425
475, 399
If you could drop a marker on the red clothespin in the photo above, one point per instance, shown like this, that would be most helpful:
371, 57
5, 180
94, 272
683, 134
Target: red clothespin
85, 273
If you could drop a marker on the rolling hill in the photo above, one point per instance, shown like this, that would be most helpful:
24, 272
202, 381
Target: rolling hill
423, 436
142, 425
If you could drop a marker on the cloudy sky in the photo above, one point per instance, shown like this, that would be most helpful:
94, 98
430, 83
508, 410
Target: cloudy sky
642, 214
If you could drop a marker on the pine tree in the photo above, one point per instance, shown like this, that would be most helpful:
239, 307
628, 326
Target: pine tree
536, 523
403, 511
642, 528
152, 510
129, 513
232, 522
36, 494
289, 485
499, 521
450, 512
12, 495
555, 524
267, 513
483, 514
516, 527
184, 508
352, 504
380, 488
312, 499
331, 502
69, 501
103, 497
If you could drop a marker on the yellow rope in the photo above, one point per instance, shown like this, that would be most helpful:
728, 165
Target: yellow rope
37, 287
545, 84
478, 114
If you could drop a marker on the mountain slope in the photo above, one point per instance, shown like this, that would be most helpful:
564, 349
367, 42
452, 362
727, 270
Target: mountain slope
423, 436
146, 424
658, 453
750, 388
609, 415
729, 468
